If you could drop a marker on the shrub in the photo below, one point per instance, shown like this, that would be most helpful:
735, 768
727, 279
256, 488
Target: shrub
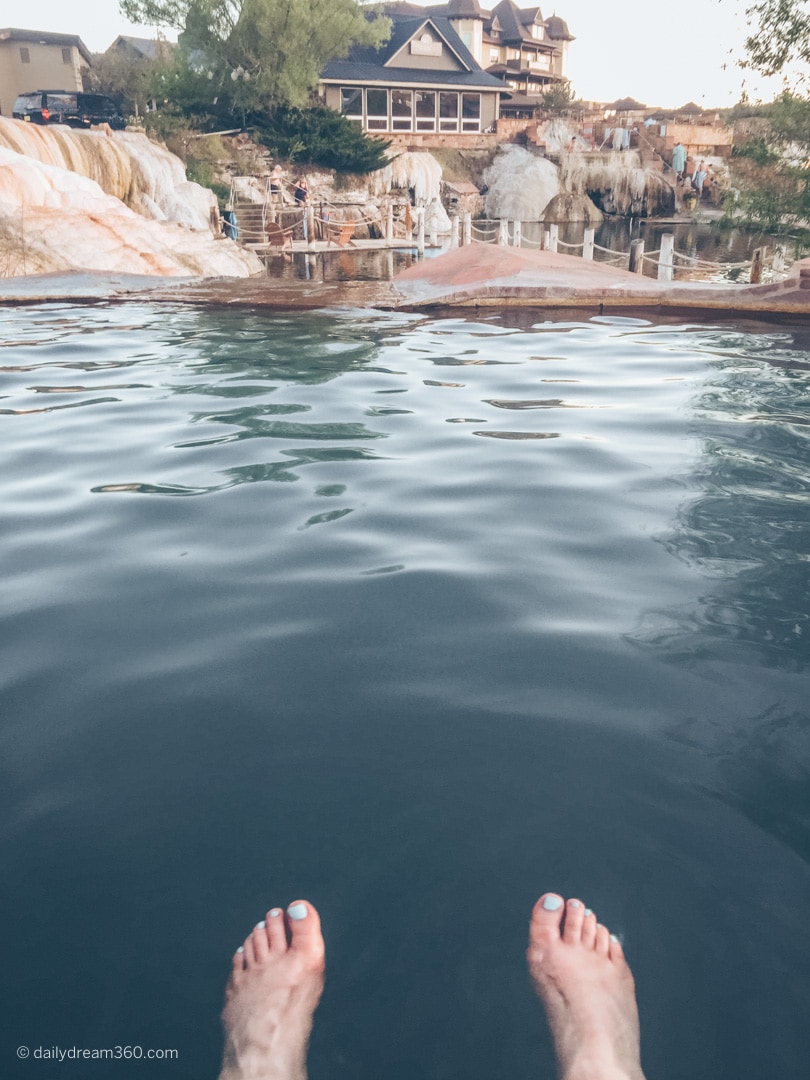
321, 136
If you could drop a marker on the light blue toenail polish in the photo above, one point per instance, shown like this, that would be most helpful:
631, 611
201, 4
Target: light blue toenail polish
241, 948
575, 903
274, 914
588, 911
297, 911
614, 938
261, 925
552, 903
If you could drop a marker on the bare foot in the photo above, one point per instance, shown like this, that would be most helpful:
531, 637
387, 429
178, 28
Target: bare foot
580, 973
272, 994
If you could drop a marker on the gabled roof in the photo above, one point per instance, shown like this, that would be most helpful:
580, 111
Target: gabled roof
366, 64
515, 22
149, 48
45, 37
627, 104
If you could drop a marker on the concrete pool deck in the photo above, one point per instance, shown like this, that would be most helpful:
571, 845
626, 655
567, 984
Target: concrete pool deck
476, 276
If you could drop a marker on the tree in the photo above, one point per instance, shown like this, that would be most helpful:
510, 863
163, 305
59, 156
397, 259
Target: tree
780, 37
127, 77
250, 56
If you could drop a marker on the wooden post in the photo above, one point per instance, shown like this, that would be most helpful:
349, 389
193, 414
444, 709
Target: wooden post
503, 233
517, 239
553, 237
389, 221
546, 239
454, 231
665, 261
467, 228
310, 212
756, 266
587, 244
420, 230
636, 256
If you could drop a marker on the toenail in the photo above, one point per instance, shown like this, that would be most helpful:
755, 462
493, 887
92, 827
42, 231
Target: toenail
297, 911
614, 939
261, 925
552, 903
588, 911
575, 903
274, 914
241, 948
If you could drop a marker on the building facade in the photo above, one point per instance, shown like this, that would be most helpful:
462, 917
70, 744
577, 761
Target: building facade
38, 60
423, 81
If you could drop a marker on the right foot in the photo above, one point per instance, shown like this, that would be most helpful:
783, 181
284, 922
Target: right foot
580, 974
274, 989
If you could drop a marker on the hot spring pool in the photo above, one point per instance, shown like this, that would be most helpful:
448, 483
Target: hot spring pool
416, 617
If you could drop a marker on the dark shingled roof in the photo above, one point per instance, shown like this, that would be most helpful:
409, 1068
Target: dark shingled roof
366, 64
557, 29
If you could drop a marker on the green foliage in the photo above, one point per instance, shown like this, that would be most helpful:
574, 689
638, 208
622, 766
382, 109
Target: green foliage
759, 150
125, 77
780, 36
321, 136
246, 56
559, 97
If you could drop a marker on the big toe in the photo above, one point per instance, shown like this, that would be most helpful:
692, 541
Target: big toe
304, 925
546, 919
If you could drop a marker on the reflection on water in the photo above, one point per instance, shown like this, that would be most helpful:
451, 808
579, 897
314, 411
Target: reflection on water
417, 647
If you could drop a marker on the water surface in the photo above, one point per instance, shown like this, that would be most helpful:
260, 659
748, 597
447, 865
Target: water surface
416, 618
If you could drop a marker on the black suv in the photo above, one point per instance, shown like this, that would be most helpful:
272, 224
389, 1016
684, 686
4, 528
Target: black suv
68, 107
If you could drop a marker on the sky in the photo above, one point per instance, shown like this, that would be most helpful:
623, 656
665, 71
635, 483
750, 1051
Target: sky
662, 55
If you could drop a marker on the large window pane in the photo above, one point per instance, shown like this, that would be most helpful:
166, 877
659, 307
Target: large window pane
448, 111
351, 102
377, 110
425, 110
401, 110
470, 112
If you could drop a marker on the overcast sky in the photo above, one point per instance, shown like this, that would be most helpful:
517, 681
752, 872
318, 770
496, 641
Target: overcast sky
663, 55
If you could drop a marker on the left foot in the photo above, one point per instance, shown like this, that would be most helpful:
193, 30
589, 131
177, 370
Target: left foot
272, 994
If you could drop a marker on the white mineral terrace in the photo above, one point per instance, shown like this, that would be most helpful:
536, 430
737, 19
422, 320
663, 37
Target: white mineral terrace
106, 201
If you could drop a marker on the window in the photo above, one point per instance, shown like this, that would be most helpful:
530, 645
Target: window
351, 103
448, 111
376, 110
470, 112
494, 56
66, 56
401, 110
425, 110
25, 55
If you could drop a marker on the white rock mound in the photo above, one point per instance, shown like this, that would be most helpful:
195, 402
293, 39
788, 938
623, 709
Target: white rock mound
74, 200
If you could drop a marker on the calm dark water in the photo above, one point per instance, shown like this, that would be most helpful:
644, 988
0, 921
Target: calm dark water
416, 618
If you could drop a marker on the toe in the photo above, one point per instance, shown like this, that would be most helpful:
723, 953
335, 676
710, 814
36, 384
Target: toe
261, 946
276, 932
616, 951
238, 963
249, 951
574, 917
602, 940
546, 917
304, 926
588, 929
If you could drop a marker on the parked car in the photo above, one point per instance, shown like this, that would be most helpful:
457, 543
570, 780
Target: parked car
67, 107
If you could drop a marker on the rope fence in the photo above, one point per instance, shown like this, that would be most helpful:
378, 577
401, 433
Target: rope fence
331, 220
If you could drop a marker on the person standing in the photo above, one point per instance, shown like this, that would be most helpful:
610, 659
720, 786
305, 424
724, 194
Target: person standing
302, 199
679, 160
699, 179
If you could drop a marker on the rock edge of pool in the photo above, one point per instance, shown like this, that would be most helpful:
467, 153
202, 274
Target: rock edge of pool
475, 276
